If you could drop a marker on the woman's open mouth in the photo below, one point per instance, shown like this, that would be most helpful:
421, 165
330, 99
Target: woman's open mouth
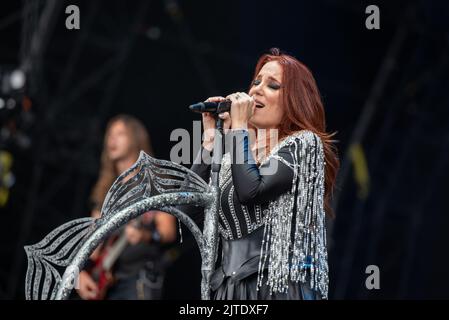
259, 105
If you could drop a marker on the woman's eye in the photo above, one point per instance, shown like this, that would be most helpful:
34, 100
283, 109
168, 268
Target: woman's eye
273, 85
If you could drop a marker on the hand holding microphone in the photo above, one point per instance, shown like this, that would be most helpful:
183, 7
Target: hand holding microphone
242, 109
209, 122
240, 105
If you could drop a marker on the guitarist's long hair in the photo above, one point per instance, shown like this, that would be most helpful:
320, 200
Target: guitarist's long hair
140, 140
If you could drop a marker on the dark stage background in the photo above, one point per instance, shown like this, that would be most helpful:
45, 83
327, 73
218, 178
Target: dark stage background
385, 93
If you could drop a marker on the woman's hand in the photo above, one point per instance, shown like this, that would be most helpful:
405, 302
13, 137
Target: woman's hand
209, 124
242, 109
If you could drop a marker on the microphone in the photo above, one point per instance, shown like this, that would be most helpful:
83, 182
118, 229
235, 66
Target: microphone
212, 107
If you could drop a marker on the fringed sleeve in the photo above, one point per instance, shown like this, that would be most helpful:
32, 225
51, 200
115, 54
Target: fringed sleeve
294, 242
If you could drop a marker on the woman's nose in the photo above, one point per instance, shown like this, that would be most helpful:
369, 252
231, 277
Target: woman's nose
255, 90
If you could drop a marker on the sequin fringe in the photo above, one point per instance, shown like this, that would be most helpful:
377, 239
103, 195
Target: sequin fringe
296, 250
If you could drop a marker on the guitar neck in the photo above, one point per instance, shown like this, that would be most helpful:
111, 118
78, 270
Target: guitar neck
115, 252
117, 248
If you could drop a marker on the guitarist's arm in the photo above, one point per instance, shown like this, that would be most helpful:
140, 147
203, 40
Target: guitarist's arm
88, 289
166, 226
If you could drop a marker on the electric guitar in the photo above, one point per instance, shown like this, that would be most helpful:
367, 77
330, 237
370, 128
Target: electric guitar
101, 269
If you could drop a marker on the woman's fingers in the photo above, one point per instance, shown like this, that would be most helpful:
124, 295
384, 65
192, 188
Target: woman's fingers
247, 98
241, 98
224, 115
242, 104
242, 109
233, 97
227, 122
227, 119
208, 121
215, 99
206, 116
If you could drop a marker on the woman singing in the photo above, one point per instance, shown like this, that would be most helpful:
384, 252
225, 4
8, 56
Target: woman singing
276, 186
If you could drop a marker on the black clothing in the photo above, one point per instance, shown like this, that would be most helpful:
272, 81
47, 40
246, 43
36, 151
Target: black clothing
246, 190
134, 258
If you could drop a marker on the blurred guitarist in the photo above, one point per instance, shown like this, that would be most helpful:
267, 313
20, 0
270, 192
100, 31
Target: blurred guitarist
129, 264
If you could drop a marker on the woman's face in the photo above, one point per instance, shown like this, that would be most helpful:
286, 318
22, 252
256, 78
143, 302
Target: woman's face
266, 89
118, 141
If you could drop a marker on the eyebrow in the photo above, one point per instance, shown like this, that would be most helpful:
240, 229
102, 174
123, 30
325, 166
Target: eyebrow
269, 77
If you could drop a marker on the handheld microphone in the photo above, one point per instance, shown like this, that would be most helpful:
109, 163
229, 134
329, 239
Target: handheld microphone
212, 107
